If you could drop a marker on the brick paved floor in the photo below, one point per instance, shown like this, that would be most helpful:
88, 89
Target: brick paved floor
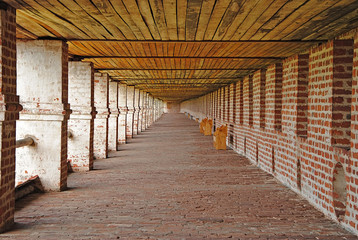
169, 183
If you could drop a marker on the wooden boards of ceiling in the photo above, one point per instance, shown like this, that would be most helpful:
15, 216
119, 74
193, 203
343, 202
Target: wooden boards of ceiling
185, 19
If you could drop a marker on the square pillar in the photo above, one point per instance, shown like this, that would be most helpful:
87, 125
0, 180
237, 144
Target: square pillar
144, 111
122, 119
100, 143
42, 84
136, 111
140, 114
130, 113
9, 113
113, 117
81, 123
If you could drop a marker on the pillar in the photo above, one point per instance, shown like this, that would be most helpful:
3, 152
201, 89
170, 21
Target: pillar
122, 119
9, 108
81, 123
151, 108
42, 84
145, 111
113, 117
136, 111
140, 115
130, 113
100, 143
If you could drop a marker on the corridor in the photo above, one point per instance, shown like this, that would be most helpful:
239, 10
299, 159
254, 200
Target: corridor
170, 183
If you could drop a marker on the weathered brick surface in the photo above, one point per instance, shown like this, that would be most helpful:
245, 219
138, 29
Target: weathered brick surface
100, 143
9, 109
122, 118
81, 122
295, 95
136, 111
305, 135
183, 190
113, 117
130, 113
44, 97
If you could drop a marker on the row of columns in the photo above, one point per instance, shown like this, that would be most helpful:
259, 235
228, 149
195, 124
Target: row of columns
73, 114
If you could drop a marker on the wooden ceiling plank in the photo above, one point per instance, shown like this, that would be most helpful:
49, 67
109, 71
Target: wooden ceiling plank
145, 12
266, 15
192, 17
91, 9
245, 9
215, 19
81, 18
36, 28
342, 25
159, 18
181, 18
140, 33
170, 7
205, 14
324, 19
66, 12
51, 22
228, 18
253, 16
297, 18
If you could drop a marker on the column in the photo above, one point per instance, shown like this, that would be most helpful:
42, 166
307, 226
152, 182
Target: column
136, 111
140, 115
100, 143
9, 113
122, 119
113, 117
42, 84
145, 111
130, 113
81, 123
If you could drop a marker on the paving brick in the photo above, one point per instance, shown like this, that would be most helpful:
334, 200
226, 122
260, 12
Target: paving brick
170, 183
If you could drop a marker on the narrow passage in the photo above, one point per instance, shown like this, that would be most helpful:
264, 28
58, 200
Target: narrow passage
170, 183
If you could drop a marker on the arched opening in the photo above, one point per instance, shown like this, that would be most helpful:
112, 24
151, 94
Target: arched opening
339, 191
298, 174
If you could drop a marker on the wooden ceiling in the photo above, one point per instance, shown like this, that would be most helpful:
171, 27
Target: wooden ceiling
180, 49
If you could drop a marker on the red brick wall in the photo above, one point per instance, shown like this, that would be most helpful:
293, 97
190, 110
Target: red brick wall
352, 219
259, 81
307, 104
295, 95
273, 104
8, 101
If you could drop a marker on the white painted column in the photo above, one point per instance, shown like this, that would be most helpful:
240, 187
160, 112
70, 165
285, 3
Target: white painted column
130, 113
81, 123
122, 119
100, 143
151, 110
42, 84
144, 111
136, 111
147, 119
113, 117
140, 115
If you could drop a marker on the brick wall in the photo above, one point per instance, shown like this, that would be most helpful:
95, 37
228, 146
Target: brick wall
101, 88
304, 137
8, 101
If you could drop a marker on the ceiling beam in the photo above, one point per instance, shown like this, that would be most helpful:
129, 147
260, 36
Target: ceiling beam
208, 78
176, 69
184, 41
174, 57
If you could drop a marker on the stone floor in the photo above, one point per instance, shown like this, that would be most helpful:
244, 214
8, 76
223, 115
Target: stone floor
169, 183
